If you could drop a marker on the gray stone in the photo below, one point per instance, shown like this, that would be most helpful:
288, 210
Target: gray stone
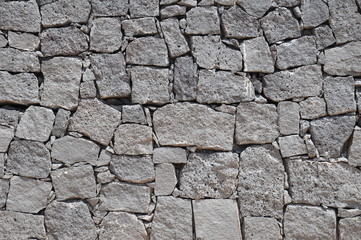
165, 179
172, 219
188, 3
22, 200
143, 8
8, 117
314, 12
209, 175
177, 44
292, 145
224, 212
288, 117
348, 213
260, 228
71, 150
23, 41
324, 37
313, 107
169, 155
150, 85
3, 41
354, 152
135, 169
2, 165
223, 87
20, 16
105, 177
61, 88
255, 8
230, 59
104, 158
304, 81
28, 159
298, 52
287, 3
61, 122
4, 189
36, 124
261, 182
139, 27
63, 41
95, 120
280, 25
185, 78
105, 35
256, 123
69, 220
109, 7
330, 134
225, 2
117, 196
173, 11
14, 60
147, 51
174, 125
133, 114
6, 135
203, 21
306, 222
349, 228
88, 89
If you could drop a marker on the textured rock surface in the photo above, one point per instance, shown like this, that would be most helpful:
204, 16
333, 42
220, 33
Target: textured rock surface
203, 21
6, 135
165, 179
185, 78
105, 35
349, 228
354, 153
4, 190
257, 56
292, 145
314, 13
258, 228
139, 27
255, 8
143, 8
109, 8
313, 107
133, 114
169, 155
324, 37
288, 117
177, 44
14, 60
23, 41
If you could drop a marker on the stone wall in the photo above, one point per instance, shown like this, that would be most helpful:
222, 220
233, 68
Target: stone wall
180, 119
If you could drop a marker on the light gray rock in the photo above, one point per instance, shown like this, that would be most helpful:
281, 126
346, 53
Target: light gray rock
95, 120
314, 12
2, 165
348, 213
104, 158
172, 219
188, 3
109, 7
304, 81
288, 117
324, 37
255, 8
69, 220
150, 85
3, 41
287, 3
279, 25
61, 122
133, 114
173, 11
306, 222
185, 78
117, 196
147, 51
143, 8
165, 179
9, 117
133, 139
4, 189
225, 2
139, 27
88, 89
23, 41
313, 107
177, 44
105, 35
261, 182
349, 228
260, 228
292, 145
36, 124
224, 212
14, 60
22, 200
230, 59
174, 125
105, 177
330, 134
169, 155
298, 52
256, 123
135, 169
61, 88
203, 21
6, 135
354, 152
28, 159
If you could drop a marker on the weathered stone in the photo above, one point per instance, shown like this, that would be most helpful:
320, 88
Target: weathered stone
69, 220
121, 225
287, 3
172, 219
165, 179
133, 114
105, 177
257, 228
22, 200
8, 117
261, 182
229, 59
354, 152
63, 41
349, 228
324, 37
14, 60
4, 189
6, 135
224, 212
330, 134
61, 88
174, 125
139, 27
147, 51
314, 12
20, 16
255, 8
36, 124
225, 2
63, 12
313, 107
143, 8
177, 44
169, 155
304, 81
185, 78
2, 165
203, 21
348, 213
173, 11
117, 196
188, 3
28, 159
223, 87
150, 85
23, 41
256, 123
104, 158
61, 123
88, 89
292, 145
109, 7
298, 52
3, 41
95, 120
279, 25
288, 117
306, 222
71, 150
105, 35
135, 169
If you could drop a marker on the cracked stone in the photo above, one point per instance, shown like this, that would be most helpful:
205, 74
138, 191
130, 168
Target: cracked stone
14, 60
203, 21
105, 35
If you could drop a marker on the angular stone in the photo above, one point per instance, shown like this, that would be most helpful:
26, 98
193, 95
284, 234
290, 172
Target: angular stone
139, 27
209, 175
330, 134
143, 8
306, 222
348, 213
150, 85
61, 123
314, 12
304, 81
23, 41
133, 114
4, 189
288, 117
109, 7
69, 220
71, 150
88, 89
104, 158
63, 41
230, 59
6, 135
3, 41
61, 88
22, 200
203, 21
135, 169
255, 8
324, 37
169, 155
20, 16
95, 120
354, 152
298, 52
292, 145
225, 2
174, 125
8, 117
279, 25
14, 60
28, 159
2, 165
222, 211
105, 35
165, 179
185, 78
223, 87
117, 196
313, 107
256, 228
349, 228
147, 51
172, 219
287, 3
177, 44
173, 11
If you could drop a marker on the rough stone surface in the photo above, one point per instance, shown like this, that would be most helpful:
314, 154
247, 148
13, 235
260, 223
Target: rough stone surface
313, 107
4, 190
133, 114
258, 228
354, 152
165, 179
203, 21
61, 123
105, 35
324, 37
177, 44
169, 155
288, 117
292, 145
23, 41
255, 8
14, 60
139, 27
173, 11
350, 228
185, 78
314, 12
109, 7
6, 135
144, 8
9, 118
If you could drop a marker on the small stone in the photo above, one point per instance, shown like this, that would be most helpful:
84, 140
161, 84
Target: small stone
314, 12
177, 44
203, 21
88, 75
139, 27
9, 118
292, 145
3, 41
14, 60
313, 107
4, 189
61, 123
105, 35
256, 228
288, 117
324, 37
311, 148
348, 213
165, 179
2, 166
133, 114
169, 155
304, 127
173, 11
185, 78
104, 158
23, 41
287, 3
229, 58
143, 8
88, 89
105, 177
109, 7
188, 3
255, 8
349, 228
354, 152
6, 135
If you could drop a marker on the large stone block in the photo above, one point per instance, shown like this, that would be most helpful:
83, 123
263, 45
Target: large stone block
313, 107
314, 13
14, 60
109, 7
256, 8
23, 41
261, 228
203, 21
288, 117
143, 8
139, 27
349, 228
6, 135
106, 35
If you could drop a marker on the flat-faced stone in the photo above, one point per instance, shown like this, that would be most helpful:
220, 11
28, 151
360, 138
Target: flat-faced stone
185, 78
287, 3
88, 90
169, 155
349, 228
61, 123
256, 8
4, 190
257, 228
3, 41
203, 21
23, 41
177, 44
292, 145
133, 114
139, 27
6, 135
354, 152
14, 60
105, 35
143, 8
314, 12
165, 179
324, 37
288, 117
109, 7
8, 117
313, 107
173, 11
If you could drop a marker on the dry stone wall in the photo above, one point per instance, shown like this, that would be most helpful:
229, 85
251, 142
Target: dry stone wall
180, 119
